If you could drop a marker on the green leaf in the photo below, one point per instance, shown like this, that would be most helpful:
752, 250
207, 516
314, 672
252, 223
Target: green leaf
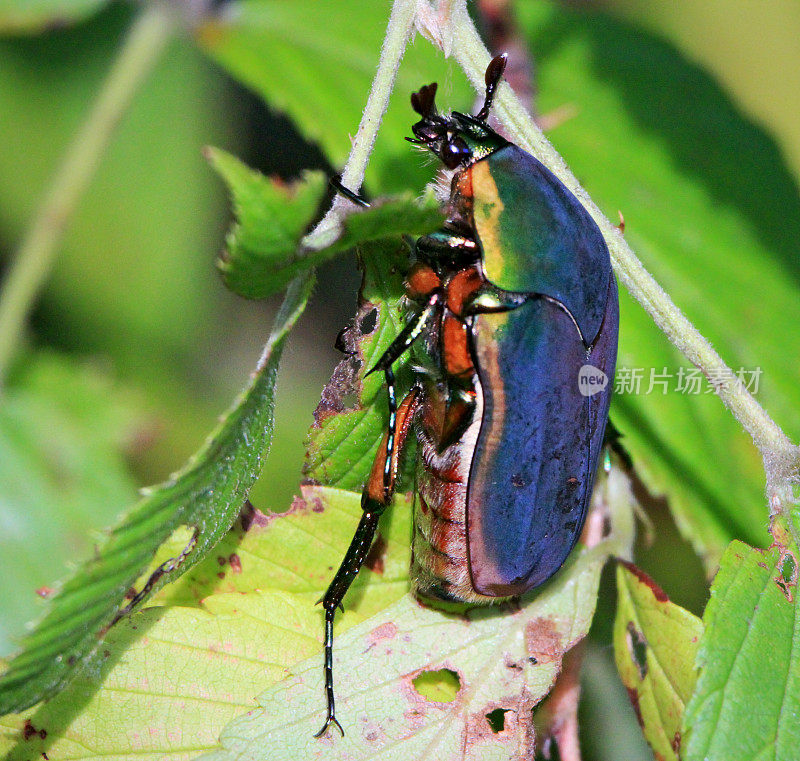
351, 418
712, 211
264, 250
256, 595
304, 59
503, 658
62, 431
170, 678
33, 16
206, 496
747, 701
655, 644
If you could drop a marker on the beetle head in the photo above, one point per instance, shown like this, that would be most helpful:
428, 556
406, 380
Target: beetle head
458, 139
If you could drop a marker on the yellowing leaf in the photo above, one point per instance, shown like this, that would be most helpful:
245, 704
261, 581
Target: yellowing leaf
655, 644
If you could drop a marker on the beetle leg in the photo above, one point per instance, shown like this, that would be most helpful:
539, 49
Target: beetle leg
377, 495
350, 195
406, 336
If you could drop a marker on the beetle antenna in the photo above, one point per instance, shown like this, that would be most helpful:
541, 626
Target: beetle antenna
494, 73
424, 101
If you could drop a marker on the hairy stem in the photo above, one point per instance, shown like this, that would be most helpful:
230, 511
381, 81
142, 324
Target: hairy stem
34, 258
398, 33
781, 457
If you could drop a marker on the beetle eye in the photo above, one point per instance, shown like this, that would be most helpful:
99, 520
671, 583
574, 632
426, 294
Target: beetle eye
455, 152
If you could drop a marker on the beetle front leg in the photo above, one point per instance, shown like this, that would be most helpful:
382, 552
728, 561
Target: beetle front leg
374, 500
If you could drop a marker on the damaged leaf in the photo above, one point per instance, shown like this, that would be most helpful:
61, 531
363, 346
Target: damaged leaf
655, 644
187, 669
351, 417
504, 659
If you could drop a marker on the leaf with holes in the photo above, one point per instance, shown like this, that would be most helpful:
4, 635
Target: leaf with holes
505, 659
655, 643
502, 658
746, 704
169, 679
206, 495
351, 417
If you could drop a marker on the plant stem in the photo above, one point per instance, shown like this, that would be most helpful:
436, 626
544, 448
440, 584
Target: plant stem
781, 457
398, 33
34, 258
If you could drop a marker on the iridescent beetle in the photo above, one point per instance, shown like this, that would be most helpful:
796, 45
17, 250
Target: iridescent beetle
516, 313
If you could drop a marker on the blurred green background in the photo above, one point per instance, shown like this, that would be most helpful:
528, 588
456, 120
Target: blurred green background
135, 347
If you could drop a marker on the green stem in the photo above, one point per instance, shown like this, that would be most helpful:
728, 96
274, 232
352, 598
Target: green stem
398, 33
781, 457
34, 258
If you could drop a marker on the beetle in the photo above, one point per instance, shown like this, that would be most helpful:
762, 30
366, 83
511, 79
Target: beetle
513, 313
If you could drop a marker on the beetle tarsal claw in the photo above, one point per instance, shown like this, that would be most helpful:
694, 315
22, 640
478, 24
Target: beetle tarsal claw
328, 721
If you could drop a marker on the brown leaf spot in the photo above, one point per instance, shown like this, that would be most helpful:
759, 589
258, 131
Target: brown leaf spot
29, 731
45, 592
382, 632
251, 516
236, 563
676, 743
658, 593
513, 665
787, 574
633, 695
543, 640
415, 719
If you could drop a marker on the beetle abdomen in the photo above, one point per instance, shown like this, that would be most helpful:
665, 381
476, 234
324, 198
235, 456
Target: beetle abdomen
439, 547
